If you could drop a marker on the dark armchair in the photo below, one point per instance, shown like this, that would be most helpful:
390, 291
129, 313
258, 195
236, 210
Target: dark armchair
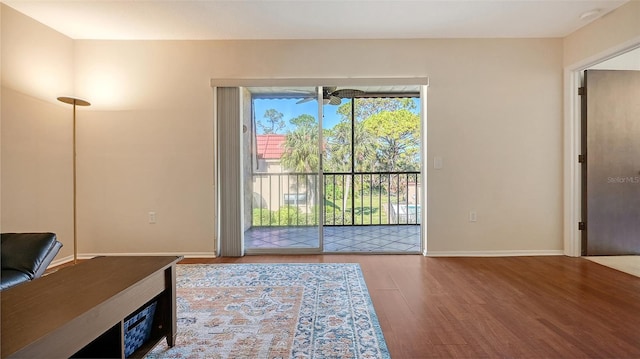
25, 256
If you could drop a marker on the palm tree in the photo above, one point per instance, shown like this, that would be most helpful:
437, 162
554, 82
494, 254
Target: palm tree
339, 153
301, 150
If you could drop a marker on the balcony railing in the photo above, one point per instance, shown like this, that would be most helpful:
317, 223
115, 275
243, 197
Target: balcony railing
353, 199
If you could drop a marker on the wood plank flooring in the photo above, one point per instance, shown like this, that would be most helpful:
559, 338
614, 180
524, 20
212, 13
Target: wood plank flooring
511, 307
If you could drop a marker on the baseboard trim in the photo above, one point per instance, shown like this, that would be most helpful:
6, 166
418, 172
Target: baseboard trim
67, 259
60, 261
524, 253
184, 254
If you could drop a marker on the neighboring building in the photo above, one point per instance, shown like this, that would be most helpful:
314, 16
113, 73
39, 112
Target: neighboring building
272, 186
269, 151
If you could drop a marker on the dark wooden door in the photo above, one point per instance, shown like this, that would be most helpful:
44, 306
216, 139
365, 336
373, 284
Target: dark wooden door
611, 171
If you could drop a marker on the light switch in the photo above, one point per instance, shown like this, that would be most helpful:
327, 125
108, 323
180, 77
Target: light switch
437, 162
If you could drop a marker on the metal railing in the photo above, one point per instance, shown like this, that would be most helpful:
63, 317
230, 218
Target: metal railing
352, 199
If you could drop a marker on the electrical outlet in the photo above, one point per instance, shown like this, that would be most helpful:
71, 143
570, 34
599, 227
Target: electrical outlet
473, 216
152, 217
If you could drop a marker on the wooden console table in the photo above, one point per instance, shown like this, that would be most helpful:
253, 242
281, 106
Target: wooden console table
79, 310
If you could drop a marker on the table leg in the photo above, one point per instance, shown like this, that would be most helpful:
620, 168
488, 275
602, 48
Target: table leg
173, 326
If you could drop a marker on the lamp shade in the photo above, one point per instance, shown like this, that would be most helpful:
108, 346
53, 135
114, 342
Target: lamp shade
74, 101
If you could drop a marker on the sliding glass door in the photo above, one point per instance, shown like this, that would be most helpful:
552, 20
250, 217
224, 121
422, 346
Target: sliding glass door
282, 148
371, 173
332, 169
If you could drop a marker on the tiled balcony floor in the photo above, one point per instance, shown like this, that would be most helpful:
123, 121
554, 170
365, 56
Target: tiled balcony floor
367, 239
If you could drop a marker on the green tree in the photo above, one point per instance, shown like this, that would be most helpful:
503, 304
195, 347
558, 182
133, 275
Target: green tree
367, 107
398, 143
273, 121
397, 133
339, 151
394, 127
301, 150
338, 148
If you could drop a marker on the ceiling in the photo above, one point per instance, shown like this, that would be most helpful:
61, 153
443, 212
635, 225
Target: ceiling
312, 19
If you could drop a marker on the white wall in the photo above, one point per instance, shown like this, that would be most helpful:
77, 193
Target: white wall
627, 61
146, 143
616, 32
36, 130
617, 28
494, 116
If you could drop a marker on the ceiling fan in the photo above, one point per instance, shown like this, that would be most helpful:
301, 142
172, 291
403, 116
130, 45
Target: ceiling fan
333, 95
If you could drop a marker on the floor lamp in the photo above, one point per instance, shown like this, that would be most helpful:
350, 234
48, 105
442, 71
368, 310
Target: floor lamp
75, 102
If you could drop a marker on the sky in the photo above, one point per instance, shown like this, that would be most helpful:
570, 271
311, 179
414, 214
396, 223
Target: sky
290, 109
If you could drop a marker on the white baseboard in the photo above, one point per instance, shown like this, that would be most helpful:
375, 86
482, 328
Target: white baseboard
523, 253
184, 254
67, 259
59, 261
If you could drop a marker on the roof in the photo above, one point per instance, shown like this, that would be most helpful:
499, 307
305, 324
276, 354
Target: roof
270, 146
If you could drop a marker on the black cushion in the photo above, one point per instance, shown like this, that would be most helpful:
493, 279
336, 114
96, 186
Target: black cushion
29, 253
12, 277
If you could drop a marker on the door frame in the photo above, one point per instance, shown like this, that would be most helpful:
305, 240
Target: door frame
423, 82
572, 177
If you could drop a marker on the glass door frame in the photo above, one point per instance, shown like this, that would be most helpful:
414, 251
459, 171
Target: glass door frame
318, 190
318, 83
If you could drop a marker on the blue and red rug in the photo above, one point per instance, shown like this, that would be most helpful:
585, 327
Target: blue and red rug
274, 311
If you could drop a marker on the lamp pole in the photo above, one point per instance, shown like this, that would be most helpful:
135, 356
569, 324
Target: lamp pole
75, 102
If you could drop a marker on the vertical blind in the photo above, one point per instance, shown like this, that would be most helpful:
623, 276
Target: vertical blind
229, 174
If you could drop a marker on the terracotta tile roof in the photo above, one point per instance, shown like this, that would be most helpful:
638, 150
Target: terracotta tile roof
270, 146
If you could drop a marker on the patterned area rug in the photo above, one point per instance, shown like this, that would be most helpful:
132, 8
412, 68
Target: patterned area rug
274, 311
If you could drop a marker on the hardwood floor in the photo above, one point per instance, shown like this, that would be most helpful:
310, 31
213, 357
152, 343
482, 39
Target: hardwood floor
511, 307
